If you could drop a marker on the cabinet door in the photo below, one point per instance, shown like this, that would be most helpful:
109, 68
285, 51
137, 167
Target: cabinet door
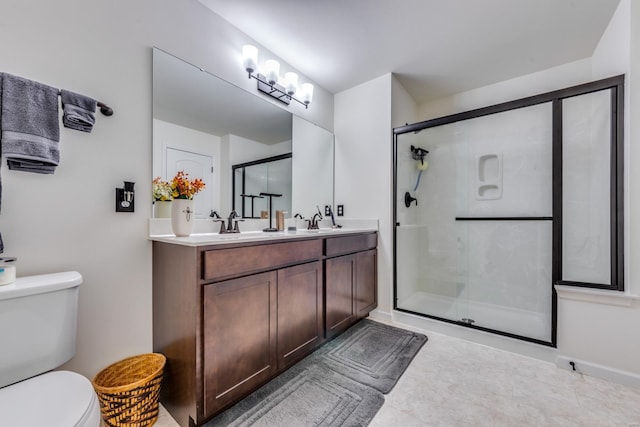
340, 292
299, 312
239, 338
366, 283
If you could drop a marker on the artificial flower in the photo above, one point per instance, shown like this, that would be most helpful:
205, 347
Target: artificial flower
184, 188
161, 190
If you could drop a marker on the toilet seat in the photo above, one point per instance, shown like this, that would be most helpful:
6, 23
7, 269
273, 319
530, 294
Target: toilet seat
59, 398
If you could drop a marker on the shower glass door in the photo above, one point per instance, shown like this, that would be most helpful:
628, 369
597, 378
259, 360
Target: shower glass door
475, 246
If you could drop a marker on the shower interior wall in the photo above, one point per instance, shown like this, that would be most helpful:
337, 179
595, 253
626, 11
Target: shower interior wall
496, 272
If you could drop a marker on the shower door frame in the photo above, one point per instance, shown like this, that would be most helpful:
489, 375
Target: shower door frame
616, 85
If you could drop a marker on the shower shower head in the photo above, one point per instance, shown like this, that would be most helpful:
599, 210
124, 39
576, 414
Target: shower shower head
418, 153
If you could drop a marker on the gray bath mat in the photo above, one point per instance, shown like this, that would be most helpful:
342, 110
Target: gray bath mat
371, 353
305, 395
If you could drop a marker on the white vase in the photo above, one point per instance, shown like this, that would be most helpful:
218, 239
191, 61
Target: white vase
182, 217
162, 209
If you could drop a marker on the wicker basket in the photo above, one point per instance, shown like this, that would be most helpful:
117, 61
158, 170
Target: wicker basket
128, 390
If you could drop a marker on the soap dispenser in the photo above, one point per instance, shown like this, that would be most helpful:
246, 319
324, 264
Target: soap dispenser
280, 220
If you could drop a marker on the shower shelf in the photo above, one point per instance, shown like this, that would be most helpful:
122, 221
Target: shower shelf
504, 218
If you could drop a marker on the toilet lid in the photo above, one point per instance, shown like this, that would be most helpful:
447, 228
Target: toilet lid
59, 398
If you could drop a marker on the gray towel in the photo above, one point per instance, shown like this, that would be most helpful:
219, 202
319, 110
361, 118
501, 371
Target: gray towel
31, 166
30, 125
78, 111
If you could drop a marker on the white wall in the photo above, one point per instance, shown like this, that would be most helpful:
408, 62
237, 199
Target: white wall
363, 166
404, 108
244, 150
548, 80
312, 172
67, 221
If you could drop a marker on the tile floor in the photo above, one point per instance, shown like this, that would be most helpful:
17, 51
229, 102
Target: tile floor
452, 382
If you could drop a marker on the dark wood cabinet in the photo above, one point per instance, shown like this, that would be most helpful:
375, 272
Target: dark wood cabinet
300, 328
239, 338
231, 317
351, 281
366, 283
340, 293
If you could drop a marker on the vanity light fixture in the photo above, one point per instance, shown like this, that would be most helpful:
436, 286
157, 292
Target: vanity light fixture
271, 83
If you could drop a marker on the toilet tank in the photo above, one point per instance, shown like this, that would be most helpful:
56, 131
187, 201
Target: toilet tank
38, 319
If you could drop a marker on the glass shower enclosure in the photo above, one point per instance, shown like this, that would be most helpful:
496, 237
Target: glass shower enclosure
479, 207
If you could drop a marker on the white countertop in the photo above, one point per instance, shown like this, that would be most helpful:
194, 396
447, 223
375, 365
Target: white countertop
205, 239
209, 238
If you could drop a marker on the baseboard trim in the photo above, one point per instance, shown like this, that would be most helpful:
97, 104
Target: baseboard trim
599, 371
381, 316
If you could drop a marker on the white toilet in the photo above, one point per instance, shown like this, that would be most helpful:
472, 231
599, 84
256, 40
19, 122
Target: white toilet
38, 317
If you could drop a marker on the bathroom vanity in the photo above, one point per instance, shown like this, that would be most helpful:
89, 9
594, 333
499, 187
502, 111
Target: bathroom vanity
231, 313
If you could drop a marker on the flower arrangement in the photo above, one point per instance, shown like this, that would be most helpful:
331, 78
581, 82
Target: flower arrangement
183, 188
161, 190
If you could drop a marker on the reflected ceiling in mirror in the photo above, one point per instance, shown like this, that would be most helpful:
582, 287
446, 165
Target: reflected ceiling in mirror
191, 97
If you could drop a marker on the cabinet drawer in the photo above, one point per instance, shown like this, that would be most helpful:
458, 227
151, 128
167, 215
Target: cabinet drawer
348, 244
235, 261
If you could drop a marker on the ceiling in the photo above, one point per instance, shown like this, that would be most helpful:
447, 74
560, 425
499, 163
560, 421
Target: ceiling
435, 47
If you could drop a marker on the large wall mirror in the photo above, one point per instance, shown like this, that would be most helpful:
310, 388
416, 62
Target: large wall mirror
206, 126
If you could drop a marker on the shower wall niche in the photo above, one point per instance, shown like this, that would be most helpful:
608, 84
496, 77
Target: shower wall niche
483, 245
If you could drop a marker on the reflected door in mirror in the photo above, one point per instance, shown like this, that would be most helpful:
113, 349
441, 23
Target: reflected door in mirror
197, 166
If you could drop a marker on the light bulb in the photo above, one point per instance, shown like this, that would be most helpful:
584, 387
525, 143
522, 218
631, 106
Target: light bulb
272, 71
291, 83
306, 91
249, 58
